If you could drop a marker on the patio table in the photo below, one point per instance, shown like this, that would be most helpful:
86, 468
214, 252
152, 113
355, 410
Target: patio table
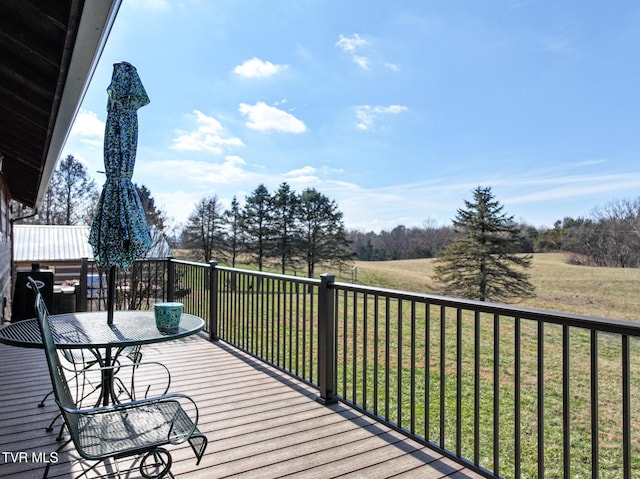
89, 330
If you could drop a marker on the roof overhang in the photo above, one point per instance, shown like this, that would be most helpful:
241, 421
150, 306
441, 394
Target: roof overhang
51, 51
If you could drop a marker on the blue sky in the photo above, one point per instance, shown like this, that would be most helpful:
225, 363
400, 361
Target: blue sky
394, 109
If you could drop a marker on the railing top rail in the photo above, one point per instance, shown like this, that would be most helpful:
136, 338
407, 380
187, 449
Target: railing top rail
618, 326
283, 277
189, 263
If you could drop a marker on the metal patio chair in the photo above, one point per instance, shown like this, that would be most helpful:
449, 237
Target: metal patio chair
80, 364
132, 390
135, 428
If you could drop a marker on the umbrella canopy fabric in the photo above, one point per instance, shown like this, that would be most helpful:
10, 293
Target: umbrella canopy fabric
119, 233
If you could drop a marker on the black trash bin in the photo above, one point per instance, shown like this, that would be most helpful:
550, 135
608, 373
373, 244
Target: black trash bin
24, 298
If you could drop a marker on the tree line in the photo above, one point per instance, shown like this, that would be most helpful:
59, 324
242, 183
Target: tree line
610, 237
283, 229
427, 241
290, 230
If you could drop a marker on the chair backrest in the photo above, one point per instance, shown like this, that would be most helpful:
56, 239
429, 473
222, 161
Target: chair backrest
58, 380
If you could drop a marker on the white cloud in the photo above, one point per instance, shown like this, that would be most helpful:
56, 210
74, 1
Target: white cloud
88, 128
350, 44
256, 68
368, 114
304, 171
229, 171
198, 173
362, 62
209, 135
557, 188
354, 46
263, 117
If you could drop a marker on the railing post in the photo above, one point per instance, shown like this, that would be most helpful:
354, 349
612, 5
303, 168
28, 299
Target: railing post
213, 301
326, 341
171, 278
81, 301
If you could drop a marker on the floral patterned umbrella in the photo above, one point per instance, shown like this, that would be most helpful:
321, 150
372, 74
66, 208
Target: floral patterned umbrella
119, 233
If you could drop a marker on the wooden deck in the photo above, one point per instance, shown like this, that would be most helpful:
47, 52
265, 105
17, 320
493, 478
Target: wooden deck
260, 423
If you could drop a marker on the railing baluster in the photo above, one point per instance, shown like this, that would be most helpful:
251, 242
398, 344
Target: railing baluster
413, 368
595, 428
243, 311
354, 358
541, 455
228, 303
289, 329
272, 321
312, 337
345, 330
443, 359
459, 382
626, 409
496, 394
517, 428
305, 318
399, 421
365, 346
297, 320
476, 388
566, 402
387, 355
376, 352
278, 324
427, 371
246, 311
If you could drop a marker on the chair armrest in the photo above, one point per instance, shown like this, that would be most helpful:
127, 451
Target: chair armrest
157, 375
119, 366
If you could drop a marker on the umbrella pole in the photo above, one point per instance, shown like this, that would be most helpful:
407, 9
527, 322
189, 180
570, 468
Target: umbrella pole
111, 294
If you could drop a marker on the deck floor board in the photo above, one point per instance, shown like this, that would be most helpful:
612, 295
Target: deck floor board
260, 422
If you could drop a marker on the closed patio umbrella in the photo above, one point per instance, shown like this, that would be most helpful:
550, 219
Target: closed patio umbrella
119, 233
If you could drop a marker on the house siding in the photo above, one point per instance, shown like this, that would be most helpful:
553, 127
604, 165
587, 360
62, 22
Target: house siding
5, 253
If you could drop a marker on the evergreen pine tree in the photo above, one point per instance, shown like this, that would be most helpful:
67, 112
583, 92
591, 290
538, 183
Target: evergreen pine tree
286, 229
257, 225
204, 231
480, 264
233, 235
324, 238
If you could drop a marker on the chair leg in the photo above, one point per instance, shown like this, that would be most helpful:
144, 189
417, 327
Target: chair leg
41, 403
59, 436
53, 421
60, 448
156, 464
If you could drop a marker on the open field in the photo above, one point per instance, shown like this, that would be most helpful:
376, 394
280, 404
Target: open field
605, 292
